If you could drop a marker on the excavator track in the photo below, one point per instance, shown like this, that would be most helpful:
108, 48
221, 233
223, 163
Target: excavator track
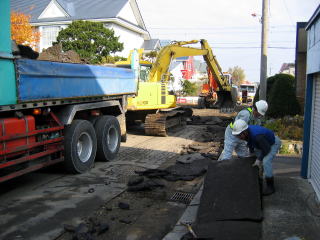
157, 124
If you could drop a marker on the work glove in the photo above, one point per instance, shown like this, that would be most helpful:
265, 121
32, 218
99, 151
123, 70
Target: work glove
257, 163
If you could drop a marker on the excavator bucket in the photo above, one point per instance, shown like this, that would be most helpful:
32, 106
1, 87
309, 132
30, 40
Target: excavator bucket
225, 101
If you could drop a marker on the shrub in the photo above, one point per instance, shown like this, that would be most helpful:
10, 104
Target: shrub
189, 88
284, 149
282, 99
290, 128
111, 59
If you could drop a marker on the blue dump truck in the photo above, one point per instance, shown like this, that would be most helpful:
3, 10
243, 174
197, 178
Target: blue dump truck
54, 112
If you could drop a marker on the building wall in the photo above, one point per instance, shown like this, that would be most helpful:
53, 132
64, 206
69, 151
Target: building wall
177, 74
301, 77
313, 54
301, 63
290, 71
48, 35
188, 70
130, 39
310, 167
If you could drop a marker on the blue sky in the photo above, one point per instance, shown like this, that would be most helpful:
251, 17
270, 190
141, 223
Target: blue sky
232, 32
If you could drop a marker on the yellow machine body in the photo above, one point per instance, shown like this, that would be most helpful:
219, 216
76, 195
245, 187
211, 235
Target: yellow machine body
153, 82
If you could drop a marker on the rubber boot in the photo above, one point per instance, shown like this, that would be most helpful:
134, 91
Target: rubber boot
270, 187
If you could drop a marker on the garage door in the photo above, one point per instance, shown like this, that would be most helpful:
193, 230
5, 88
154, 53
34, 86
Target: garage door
315, 138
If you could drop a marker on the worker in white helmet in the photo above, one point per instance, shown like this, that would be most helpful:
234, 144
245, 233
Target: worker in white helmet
266, 146
250, 116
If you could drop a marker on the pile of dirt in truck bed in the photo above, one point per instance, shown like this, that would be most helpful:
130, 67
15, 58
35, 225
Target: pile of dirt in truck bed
56, 54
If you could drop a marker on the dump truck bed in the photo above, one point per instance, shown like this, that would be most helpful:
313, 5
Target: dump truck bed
38, 81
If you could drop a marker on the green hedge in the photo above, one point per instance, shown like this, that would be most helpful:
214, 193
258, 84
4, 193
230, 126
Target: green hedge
281, 96
283, 99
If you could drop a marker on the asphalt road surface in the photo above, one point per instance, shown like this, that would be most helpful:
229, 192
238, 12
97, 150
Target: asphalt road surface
42, 205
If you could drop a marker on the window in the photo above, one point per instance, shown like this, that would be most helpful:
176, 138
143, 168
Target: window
144, 73
251, 89
49, 35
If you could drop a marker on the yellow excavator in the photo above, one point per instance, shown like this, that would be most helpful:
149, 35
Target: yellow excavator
153, 104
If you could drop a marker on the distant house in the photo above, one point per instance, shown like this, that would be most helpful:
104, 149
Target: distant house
288, 68
200, 70
181, 68
175, 70
164, 42
151, 45
188, 69
310, 167
50, 16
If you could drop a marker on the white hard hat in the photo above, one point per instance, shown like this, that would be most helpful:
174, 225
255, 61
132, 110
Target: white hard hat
262, 107
239, 126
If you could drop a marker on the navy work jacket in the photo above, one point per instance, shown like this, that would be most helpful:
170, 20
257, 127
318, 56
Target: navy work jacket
256, 131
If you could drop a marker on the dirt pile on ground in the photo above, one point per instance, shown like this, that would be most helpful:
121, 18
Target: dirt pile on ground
210, 120
56, 54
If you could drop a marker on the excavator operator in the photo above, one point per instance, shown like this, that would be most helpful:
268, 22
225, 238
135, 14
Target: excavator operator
252, 117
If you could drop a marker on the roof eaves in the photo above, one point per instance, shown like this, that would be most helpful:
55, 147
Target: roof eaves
314, 16
121, 22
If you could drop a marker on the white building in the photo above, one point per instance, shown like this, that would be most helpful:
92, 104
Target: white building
288, 68
50, 16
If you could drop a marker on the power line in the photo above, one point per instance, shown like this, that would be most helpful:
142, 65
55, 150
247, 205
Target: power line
285, 5
221, 47
216, 32
241, 43
215, 28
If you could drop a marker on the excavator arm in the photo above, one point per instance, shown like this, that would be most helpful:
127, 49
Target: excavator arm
160, 68
215, 68
153, 104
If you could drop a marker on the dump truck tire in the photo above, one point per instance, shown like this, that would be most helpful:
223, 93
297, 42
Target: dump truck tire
108, 137
80, 146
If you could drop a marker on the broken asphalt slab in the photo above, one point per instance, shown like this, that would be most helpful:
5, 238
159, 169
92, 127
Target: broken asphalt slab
231, 192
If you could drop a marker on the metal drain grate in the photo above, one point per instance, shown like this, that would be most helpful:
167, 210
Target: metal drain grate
182, 197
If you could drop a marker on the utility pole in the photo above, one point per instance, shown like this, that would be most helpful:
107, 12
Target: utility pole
264, 48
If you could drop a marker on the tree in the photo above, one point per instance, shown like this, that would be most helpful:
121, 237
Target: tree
91, 40
21, 30
238, 75
151, 56
189, 88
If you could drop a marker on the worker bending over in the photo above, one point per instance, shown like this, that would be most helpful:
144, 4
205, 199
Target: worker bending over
250, 116
266, 146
